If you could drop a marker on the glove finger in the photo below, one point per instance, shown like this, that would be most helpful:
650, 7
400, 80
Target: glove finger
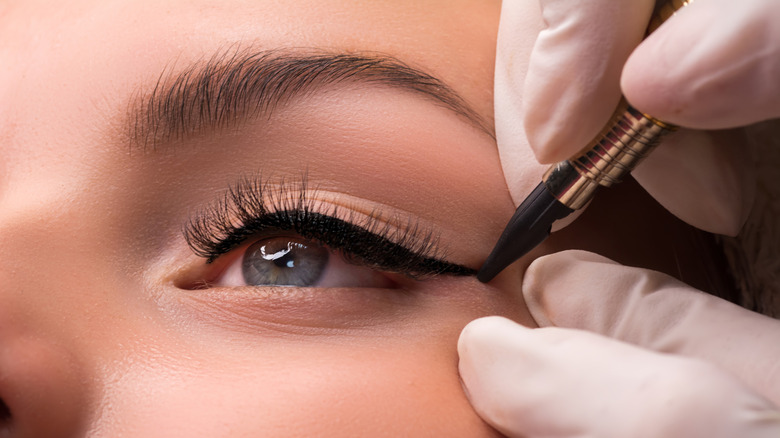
555, 382
582, 290
520, 23
713, 65
572, 84
704, 178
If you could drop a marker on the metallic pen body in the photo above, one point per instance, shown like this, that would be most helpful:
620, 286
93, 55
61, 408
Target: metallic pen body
617, 150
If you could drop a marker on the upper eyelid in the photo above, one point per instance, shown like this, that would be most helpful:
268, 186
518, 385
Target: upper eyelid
252, 196
402, 246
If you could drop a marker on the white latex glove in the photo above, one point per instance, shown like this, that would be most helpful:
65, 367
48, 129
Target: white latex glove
706, 368
713, 65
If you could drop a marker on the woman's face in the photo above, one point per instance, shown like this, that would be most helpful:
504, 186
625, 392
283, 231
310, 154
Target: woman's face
124, 124
164, 169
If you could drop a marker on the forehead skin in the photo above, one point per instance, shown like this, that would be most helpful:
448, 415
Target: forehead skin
132, 41
95, 340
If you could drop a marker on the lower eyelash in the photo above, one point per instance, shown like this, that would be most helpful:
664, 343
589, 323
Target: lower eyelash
255, 207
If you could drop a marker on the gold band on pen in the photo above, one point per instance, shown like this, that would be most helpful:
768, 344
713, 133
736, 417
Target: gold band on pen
627, 139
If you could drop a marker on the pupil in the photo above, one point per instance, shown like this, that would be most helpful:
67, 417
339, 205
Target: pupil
283, 261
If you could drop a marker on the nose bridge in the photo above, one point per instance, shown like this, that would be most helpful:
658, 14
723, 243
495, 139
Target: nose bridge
45, 374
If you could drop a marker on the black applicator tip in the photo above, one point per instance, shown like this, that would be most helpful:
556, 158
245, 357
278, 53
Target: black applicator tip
529, 226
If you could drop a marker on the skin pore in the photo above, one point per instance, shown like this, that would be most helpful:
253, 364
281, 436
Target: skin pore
103, 332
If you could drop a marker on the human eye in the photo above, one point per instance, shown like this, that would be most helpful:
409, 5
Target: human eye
262, 234
283, 260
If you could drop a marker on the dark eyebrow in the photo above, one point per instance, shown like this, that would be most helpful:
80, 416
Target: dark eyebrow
238, 85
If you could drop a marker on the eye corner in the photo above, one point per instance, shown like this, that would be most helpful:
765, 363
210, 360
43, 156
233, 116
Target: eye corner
196, 285
201, 273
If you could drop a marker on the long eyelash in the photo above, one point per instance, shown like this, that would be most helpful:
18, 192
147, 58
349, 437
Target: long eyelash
254, 207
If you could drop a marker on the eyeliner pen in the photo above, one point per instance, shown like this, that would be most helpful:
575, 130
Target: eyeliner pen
569, 185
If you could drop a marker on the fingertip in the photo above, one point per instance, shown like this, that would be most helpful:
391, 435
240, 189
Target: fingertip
652, 79
570, 93
483, 333
643, 83
708, 69
579, 289
486, 348
559, 122
489, 351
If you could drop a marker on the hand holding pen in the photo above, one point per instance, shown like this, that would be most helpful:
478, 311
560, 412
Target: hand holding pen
626, 139
711, 66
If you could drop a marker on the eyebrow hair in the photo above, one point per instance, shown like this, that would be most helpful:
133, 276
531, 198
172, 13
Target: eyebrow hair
235, 86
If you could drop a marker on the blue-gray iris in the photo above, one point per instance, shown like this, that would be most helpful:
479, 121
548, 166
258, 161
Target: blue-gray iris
284, 261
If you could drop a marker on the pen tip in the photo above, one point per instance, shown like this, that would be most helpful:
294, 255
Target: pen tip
528, 227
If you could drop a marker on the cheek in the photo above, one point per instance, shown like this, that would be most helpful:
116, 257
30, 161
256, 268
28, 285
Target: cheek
318, 390
399, 377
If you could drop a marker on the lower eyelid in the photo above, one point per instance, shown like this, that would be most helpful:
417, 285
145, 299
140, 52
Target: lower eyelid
294, 310
270, 311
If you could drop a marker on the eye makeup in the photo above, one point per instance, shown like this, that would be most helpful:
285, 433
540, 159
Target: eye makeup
254, 208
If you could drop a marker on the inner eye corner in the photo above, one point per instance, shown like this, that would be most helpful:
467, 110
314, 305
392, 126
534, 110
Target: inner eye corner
194, 285
200, 275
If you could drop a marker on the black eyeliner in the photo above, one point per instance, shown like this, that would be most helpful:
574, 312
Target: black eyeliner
249, 211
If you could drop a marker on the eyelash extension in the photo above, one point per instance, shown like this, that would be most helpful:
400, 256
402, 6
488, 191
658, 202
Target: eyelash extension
253, 208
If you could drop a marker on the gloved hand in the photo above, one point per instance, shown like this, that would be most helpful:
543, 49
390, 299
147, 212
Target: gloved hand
706, 368
698, 366
713, 65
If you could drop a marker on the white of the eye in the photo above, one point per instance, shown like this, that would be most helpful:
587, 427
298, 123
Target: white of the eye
233, 275
339, 273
